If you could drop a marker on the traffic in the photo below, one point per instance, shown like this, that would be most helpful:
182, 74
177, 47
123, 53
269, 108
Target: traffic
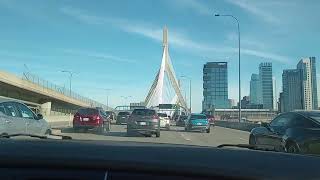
293, 132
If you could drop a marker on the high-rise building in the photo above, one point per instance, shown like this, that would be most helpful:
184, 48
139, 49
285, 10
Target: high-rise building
292, 87
265, 76
274, 90
255, 90
215, 85
281, 103
310, 94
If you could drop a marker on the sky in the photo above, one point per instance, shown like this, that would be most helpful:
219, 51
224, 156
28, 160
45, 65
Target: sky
117, 44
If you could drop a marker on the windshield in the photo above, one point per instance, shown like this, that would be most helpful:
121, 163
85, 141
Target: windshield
192, 117
88, 111
103, 70
123, 113
162, 115
144, 112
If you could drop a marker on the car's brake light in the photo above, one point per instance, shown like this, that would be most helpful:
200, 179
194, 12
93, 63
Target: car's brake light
155, 118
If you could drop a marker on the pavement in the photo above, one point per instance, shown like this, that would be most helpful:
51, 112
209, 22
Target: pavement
176, 135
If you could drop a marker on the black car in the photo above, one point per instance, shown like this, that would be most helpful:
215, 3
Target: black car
144, 121
122, 117
293, 132
181, 120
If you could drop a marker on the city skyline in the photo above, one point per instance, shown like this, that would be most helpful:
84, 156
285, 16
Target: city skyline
109, 36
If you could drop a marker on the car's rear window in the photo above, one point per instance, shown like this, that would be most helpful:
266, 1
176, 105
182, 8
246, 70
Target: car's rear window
123, 113
313, 115
88, 111
162, 115
198, 117
144, 112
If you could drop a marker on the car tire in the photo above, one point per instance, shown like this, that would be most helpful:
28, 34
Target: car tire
292, 148
252, 140
158, 134
48, 132
208, 130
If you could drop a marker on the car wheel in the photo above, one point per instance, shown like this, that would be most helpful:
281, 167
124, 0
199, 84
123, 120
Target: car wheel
48, 132
252, 140
208, 130
292, 148
158, 134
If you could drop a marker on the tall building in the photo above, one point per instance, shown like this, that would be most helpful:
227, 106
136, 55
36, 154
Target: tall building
274, 90
292, 87
265, 76
281, 103
310, 94
255, 90
215, 85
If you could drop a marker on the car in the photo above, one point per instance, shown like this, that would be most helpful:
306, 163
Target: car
197, 122
17, 118
292, 132
144, 121
91, 118
122, 117
181, 120
164, 121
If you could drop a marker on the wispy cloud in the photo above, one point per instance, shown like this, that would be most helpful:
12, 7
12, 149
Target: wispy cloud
177, 39
97, 55
253, 8
195, 5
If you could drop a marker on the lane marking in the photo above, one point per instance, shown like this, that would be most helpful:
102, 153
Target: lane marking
184, 137
242, 139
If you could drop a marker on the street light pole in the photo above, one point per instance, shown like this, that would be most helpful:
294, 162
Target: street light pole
238, 58
71, 74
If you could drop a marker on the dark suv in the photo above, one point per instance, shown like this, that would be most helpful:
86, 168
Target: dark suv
122, 117
144, 121
91, 118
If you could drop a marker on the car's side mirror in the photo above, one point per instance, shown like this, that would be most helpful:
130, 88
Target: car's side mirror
39, 116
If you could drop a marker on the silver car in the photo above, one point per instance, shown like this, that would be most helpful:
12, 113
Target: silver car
16, 118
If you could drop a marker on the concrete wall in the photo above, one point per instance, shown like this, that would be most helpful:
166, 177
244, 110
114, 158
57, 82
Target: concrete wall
244, 126
59, 120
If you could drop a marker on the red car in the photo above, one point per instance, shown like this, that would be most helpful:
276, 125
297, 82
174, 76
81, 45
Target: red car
91, 118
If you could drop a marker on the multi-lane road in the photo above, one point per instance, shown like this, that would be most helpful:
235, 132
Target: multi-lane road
176, 135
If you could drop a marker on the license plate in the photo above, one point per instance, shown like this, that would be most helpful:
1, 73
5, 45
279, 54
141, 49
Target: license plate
85, 119
142, 123
199, 123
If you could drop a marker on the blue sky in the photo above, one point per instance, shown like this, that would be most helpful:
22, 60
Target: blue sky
117, 44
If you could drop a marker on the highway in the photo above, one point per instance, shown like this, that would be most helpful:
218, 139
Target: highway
176, 135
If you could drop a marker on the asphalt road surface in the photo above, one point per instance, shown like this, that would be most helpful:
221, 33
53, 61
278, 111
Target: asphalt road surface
176, 135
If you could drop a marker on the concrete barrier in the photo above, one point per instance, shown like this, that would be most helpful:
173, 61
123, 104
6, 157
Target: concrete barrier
59, 120
244, 126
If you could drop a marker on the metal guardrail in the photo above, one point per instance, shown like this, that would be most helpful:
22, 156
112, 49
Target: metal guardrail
62, 90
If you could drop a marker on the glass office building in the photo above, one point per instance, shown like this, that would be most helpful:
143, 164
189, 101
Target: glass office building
215, 85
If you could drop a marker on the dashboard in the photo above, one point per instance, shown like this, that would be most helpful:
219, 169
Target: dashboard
77, 159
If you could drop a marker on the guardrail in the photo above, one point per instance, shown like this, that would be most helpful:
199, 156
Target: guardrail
62, 90
244, 126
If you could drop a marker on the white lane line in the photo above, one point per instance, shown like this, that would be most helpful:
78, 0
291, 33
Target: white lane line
242, 139
184, 137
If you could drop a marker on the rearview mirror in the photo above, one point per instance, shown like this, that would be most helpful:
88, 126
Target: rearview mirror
39, 116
